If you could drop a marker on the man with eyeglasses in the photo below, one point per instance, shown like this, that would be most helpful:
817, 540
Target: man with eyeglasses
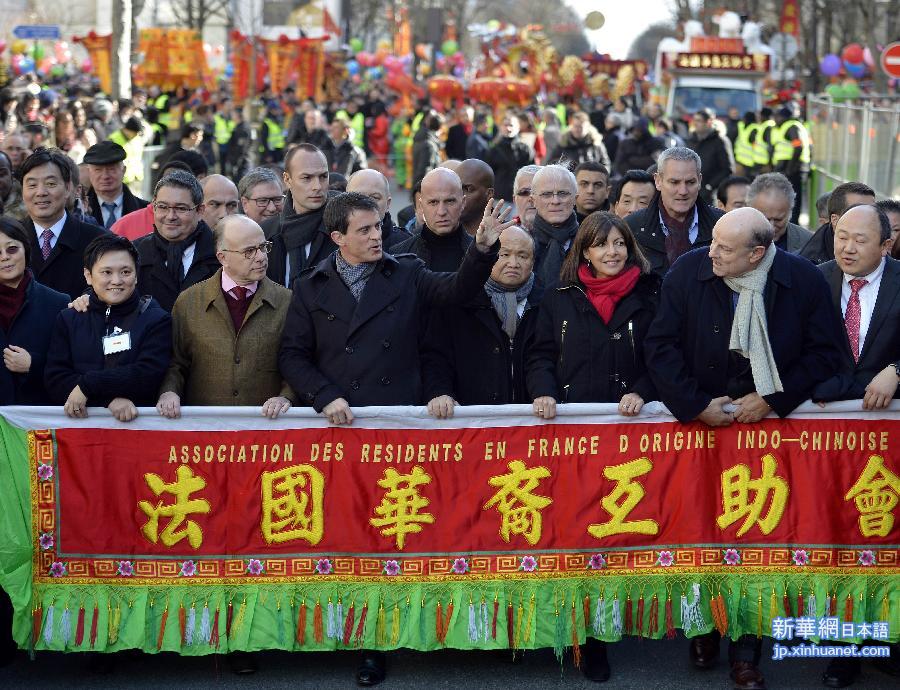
221, 327
180, 251
262, 196
220, 199
298, 235
553, 192
109, 198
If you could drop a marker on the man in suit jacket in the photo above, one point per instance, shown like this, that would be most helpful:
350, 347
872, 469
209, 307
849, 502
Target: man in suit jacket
773, 195
58, 240
299, 239
109, 199
697, 374
676, 221
180, 251
226, 330
865, 295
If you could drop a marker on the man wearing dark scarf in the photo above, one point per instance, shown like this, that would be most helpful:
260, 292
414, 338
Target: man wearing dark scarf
180, 251
553, 192
442, 242
474, 355
298, 235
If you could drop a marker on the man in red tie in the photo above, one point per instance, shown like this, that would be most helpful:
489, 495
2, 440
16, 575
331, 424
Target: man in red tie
865, 292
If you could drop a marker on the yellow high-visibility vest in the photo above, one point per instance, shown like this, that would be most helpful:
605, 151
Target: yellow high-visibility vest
783, 148
743, 147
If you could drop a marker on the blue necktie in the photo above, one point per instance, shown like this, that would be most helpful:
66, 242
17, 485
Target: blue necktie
110, 214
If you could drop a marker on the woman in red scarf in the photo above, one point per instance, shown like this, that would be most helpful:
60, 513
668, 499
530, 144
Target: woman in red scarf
588, 342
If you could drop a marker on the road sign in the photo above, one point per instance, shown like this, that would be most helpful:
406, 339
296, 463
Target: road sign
890, 60
46, 32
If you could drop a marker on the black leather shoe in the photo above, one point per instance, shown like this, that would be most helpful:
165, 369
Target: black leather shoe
242, 663
594, 664
372, 669
746, 676
704, 651
841, 673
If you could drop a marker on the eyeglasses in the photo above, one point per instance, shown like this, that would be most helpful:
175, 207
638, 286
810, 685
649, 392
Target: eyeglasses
264, 201
525, 191
548, 196
250, 252
179, 210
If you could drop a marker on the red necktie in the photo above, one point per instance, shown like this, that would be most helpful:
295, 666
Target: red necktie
852, 316
240, 292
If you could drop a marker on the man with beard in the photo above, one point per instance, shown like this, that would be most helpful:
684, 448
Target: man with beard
298, 235
478, 187
676, 221
442, 242
553, 191
180, 251
377, 187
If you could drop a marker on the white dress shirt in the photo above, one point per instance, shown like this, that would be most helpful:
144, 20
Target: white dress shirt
868, 294
118, 201
56, 229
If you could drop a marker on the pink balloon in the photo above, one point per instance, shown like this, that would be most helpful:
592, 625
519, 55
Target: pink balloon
867, 57
2, 46
87, 65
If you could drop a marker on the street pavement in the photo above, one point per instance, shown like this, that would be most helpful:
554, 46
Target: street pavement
636, 663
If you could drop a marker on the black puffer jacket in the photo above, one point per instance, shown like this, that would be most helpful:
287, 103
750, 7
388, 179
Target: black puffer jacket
575, 357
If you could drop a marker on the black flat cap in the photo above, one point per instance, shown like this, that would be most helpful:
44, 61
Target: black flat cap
104, 153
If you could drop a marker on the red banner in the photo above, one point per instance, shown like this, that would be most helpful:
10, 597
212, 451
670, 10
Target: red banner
829, 487
790, 18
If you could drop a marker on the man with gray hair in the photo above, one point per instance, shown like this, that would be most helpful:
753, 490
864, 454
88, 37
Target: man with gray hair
675, 221
772, 195
180, 251
262, 196
525, 208
553, 191
743, 329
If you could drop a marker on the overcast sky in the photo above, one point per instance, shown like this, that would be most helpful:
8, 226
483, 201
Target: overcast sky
625, 19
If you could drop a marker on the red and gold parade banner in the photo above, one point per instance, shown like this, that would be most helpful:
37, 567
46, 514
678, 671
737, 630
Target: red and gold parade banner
296, 62
491, 513
171, 58
100, 50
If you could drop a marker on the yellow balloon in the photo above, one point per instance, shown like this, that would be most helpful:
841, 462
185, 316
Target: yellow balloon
594, 20
18, 47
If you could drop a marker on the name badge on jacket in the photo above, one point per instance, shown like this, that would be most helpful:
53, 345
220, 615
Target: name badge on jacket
117, 342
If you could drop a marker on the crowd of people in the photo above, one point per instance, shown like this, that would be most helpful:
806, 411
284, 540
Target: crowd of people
518, 274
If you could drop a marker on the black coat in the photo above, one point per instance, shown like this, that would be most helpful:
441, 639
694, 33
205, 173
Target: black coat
321, 247
30, 329
391, 235
368, 352
717, 162
426, 153
63, 270
687, 345
154, 278
820, 247
76, 357
130, 203
467, 355
649, 233
882, 344
348, 158
455, 146
506, 157
636, 154
418, 245
572, 152
575, 357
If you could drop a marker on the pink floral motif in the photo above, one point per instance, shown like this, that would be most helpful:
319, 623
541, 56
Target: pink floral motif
125, 569
392, 568
46, 541
460, 566
188, 569
867, 558
58, 569
800, 557
528, 564
597, 562
324, 567
255, 566
45, 472
666, 558
732, 557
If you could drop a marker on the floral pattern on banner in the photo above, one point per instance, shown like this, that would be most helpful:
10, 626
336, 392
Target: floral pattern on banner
597, 562
460, 566
255, 566
867, 558
188, 569
45, 472
125, 568
324, 567
58, 569
46, 541
392, 568
528, 564
665, 559
731, 557
800, 557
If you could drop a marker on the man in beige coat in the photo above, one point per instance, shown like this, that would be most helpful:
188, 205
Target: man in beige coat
226, 330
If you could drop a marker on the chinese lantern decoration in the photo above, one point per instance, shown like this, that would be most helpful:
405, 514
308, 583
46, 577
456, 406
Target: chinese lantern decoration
445, 89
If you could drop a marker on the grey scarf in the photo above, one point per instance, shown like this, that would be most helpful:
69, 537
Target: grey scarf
354, 277
506, 302
749, 329
552, 240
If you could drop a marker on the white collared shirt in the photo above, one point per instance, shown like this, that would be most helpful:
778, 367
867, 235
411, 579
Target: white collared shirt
56, 229
188, 257
118, 201
693, 231
307, 248
868, 294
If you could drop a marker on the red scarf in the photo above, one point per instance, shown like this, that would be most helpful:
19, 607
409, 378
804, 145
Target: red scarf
11, 301
606, 293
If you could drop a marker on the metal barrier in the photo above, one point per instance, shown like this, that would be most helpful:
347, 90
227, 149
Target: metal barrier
150, 154
855, 142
